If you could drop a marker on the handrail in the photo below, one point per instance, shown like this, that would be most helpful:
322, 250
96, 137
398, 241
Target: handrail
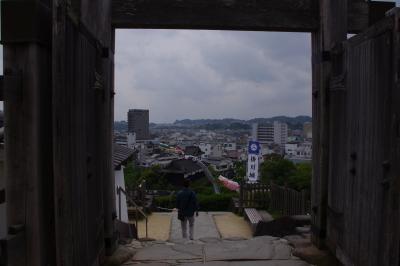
119, 190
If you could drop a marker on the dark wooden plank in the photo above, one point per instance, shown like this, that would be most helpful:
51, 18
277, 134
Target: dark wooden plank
337, 170
272, 15
83, 64
358, 238
106, 104
276, 15
96, 16
391, 236
333, 29
28, 154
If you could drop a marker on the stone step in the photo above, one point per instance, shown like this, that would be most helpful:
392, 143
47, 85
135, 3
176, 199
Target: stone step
266, 216
303, 230
301, 220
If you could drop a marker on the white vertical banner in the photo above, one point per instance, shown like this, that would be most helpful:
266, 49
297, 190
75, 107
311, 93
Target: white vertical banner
253, 161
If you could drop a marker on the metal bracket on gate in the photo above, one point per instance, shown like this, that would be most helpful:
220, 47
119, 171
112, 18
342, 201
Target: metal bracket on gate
25, 21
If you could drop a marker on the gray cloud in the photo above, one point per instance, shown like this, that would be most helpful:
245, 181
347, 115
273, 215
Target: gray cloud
212, 74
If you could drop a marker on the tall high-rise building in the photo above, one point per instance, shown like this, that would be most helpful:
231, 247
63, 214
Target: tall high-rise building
276, 132
263, 133
307, 130
280, 133
138, 123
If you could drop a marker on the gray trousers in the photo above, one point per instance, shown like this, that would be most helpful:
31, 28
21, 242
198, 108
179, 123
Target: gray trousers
191, 227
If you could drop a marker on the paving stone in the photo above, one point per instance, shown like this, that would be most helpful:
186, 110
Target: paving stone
168, 253
303, 229
250, 263
132, 263
210, 239
134, 244
234, 238
210, 249
204, 227
316, 257
257, 248
121, 255
298, 241
282, 251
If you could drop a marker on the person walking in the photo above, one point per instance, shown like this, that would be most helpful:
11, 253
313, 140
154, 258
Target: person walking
186, 203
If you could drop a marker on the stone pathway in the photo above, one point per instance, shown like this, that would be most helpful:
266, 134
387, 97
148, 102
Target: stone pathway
210, 249
204, 227
265, 250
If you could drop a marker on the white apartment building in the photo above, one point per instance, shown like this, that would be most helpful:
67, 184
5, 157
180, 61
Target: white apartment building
299, 151
206, 149
230, 146
280, 133
291, 148
211, 150
271, 133
307, 130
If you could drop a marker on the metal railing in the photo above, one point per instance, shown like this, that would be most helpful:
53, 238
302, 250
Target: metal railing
120, 191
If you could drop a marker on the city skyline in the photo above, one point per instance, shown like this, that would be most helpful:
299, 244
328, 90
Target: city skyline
218, 119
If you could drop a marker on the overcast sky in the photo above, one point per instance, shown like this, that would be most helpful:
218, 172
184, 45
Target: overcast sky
211, 74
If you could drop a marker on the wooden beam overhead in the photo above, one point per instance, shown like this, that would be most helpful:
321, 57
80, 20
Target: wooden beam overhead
252, 15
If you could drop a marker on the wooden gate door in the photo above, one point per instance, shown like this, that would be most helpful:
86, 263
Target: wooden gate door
363, 204
82, 117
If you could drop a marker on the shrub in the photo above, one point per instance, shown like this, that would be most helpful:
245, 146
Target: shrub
207, 202
214, 202
165, 201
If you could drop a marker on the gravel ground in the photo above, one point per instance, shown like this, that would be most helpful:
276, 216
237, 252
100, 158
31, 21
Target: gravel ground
159, 226
231, 225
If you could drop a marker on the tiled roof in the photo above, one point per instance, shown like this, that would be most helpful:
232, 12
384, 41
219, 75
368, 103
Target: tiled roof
183, 166
193, 150
121, 155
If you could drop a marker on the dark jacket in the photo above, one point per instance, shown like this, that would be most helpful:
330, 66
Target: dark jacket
186, 202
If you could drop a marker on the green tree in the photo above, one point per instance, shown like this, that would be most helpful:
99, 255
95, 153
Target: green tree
132, 175
283, 172
213, 172
302, 177
240, 171
278, 170
153, 176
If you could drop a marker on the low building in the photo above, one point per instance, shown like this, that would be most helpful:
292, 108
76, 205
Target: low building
162, 160
291, 148
194, 151
233, 155
121, 156
229, 146
211, 150
222, 166
298, 151
179, 170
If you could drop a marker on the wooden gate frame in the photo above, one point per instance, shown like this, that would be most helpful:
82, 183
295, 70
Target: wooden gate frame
28, 86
